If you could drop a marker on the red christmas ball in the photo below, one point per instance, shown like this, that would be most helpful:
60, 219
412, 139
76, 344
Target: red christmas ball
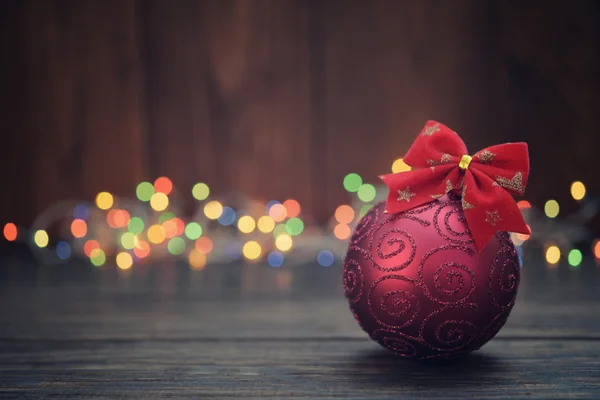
418, 286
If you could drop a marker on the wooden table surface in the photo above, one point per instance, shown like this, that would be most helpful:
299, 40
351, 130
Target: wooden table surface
256, 332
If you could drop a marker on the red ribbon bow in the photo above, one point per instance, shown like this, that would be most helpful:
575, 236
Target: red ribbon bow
441, 164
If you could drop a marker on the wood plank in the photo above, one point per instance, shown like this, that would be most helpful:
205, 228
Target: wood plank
283, 369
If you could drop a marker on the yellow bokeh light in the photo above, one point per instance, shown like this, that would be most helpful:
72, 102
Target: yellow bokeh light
551, 208
213, 209
251, 250
278, 212
104, 200
578, 190
400, 166
197, 259
266, 224
156, 234
246, 224
159, 201
552, 255
284, 242
124, 260
41, 238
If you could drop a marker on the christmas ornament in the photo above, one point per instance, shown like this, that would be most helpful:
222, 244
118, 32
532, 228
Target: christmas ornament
432, 271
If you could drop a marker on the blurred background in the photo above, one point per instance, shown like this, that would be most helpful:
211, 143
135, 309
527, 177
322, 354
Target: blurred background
225, 130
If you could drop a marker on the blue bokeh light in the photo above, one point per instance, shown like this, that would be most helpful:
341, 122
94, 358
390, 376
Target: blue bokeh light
63, 250
325, 258
275, 259
81, 212
227, 216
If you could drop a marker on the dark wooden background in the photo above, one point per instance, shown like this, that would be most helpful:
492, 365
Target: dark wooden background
282, 98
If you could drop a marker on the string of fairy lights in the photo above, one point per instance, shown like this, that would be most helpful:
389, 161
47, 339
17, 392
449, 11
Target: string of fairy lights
125, 232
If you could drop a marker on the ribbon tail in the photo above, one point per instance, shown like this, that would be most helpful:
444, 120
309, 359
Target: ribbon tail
414, 188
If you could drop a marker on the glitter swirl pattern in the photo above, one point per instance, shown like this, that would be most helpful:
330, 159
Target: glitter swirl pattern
418, 286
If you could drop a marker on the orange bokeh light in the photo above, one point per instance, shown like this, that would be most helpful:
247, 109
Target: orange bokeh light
117, 218
163, 185
141, 249
78, 228
597, 249
278, 212
292, 207
10, 232
524, 204
173, 227
342, 231
89, 246
523, 237
204, 245
344, 214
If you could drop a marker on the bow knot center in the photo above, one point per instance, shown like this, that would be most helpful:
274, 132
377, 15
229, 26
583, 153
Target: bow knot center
464, 162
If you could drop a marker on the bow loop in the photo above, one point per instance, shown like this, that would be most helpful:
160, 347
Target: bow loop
486, 180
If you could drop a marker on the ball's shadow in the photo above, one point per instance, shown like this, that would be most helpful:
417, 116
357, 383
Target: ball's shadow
381, 368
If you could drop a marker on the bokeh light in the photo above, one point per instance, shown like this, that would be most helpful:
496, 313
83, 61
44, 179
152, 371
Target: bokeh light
265, 224
197, 259
275, 259
279, 229
63, 250
342, 231
135, 225
278, 212
251, 250
40, 238
524, 204
227, 217
176, 246
352, 182
284, 242
81, 212
574, 258
117, 218
213, 209
367, 192
364, 210
164, 217
144, 191
344, 214
89, 246
97, 257
159, 201
78, 228
578, 190
200, 191
400, 166
325, 258
596, 249
204, 245
292, 208
246, 224
294, 226
271, 204
552, 254
193, 230
124, 260
128, 240
551, 208
10, 232
163, 185
156, 234
141, 249
104, 200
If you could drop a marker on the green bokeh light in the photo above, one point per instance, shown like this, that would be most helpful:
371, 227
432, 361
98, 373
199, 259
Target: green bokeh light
135, 225
294, 226
176, 246
365, 209
99, 258
128, 240
575, 257
279, 230
164, 217
200, 191
367, 192
193, 230
144, 191
352, 182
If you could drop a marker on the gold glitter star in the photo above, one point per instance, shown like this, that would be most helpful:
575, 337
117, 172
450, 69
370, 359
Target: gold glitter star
485, 156
492, 217
515, 184
446, 158
405, 194
430, 130
466, 205
449, 186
